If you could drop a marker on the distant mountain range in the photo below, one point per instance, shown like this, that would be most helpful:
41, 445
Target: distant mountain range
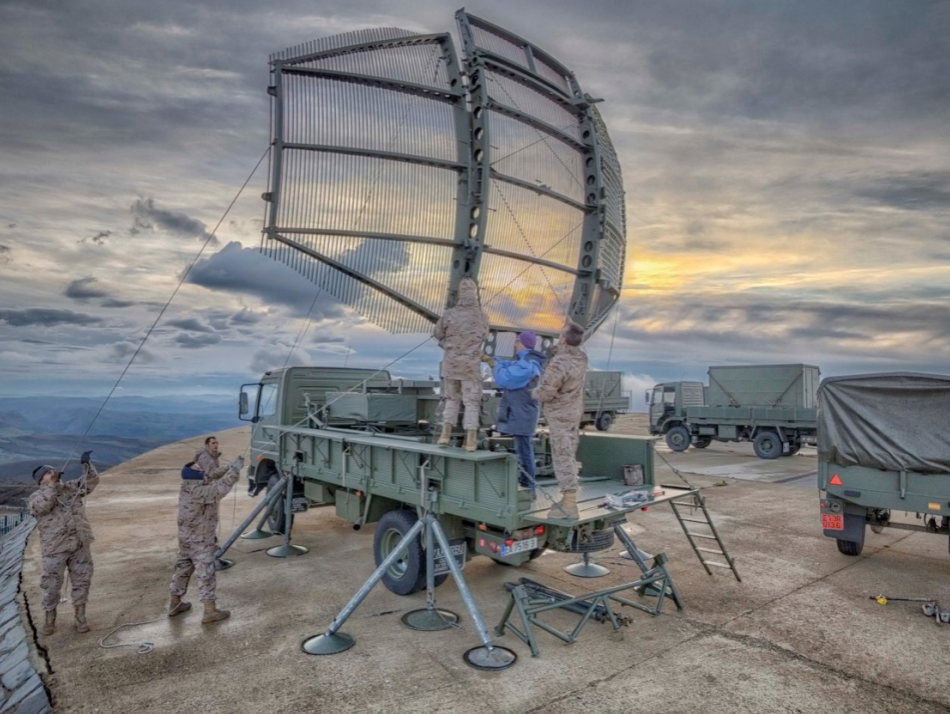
40, 430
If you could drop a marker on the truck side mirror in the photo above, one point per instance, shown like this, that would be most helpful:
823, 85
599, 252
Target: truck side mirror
243, 407
646, 396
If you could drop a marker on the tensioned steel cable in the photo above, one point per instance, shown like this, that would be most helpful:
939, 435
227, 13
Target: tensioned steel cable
163, 310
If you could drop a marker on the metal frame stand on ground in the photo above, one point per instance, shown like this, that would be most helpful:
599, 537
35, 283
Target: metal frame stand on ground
430, 618
264, 505
655, 578
288, 549
486, 657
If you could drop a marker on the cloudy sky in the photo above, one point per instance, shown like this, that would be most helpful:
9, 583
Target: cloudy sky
787, 167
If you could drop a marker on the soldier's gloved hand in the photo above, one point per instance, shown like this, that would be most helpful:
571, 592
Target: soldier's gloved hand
237, 464
84, 459
534, 393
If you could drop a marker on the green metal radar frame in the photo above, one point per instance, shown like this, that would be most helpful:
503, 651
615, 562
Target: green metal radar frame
398, 170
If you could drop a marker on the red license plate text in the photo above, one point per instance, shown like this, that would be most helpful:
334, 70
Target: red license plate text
832, 521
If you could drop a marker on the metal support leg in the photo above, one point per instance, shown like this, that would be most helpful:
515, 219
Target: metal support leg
264, 505
258, 533
488, 656
431, 619
586, 569
287, 549
332, 641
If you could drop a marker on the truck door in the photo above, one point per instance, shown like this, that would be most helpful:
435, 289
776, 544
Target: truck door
656, 406
264, 413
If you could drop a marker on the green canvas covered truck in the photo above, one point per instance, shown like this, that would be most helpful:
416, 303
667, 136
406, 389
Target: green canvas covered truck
882, 449
773, 406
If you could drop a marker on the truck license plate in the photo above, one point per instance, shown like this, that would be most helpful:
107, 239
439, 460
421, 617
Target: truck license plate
832, 521
299, 504
519, 546
459, 552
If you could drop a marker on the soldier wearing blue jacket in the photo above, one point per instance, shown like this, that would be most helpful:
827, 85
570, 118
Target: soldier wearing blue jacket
518, 412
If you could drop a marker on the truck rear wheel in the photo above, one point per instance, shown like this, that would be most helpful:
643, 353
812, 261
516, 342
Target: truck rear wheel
849, 547
702, 442
408, 574
604, 421
793, 449
677, 438
767, 445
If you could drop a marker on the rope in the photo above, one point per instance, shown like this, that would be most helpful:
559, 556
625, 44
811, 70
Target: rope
145, 646
673, 469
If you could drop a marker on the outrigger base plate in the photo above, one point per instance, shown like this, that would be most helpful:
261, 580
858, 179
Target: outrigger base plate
490, 658
428, 620
328, 644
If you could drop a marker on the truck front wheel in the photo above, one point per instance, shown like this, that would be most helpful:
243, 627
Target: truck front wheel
677, 438
604, 421
277, 519
408, 574
767, 445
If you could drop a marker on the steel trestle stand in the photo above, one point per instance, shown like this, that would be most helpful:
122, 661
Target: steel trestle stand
264, 505
288, 549
486, 657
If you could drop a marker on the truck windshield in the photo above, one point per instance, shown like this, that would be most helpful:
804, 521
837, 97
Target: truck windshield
267, 400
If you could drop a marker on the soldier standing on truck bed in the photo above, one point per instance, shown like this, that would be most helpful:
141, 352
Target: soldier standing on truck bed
65, 537
461, 331
561, 391
202, 488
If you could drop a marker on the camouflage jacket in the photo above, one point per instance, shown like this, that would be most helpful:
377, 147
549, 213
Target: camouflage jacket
60, 513
461, 331
198, 509
561, 390
207, 461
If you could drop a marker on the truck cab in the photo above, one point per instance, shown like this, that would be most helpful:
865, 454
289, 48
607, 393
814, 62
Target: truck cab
668, 402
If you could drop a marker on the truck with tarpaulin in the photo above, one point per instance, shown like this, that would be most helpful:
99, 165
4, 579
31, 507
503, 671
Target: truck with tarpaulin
773, 406
882, 449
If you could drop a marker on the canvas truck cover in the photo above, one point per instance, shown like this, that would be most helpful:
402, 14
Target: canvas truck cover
894, 422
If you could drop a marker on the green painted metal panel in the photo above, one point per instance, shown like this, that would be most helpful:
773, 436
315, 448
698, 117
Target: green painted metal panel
603, 454
873, 488
790, 385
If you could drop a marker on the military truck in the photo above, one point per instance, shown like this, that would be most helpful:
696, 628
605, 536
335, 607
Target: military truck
771, 405
882, 448
604, 399
361, 441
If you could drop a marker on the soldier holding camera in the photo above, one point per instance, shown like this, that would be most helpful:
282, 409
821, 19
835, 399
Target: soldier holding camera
65, 538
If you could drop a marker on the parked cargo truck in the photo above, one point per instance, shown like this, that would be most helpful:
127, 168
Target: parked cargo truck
773, 406
882, 448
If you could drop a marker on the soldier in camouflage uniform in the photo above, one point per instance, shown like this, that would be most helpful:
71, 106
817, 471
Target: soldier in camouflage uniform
65, 537
461, 331
561, 391
204, 484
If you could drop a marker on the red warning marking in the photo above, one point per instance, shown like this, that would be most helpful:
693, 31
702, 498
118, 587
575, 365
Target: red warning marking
835, 481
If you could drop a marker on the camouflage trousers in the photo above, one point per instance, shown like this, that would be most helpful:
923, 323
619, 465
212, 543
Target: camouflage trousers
457, 393
79, 563
564, 439
188, 562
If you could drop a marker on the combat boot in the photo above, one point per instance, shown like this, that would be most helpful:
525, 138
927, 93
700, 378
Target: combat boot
446, 434
81, 624
471, 440
49, 627
566, 507
176, 607
213, 614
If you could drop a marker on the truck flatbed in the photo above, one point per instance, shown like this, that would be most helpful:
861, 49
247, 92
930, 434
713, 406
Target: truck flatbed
591, 496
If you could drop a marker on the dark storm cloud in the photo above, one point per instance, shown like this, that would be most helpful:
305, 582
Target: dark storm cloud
123, 351
99, 238
146, 216
5, 254
246, 270
192, 342
192, 324
113, 303
46, 317
83, 289
923, 191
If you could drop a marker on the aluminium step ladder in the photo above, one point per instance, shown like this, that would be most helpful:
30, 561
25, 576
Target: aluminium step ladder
699, 517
